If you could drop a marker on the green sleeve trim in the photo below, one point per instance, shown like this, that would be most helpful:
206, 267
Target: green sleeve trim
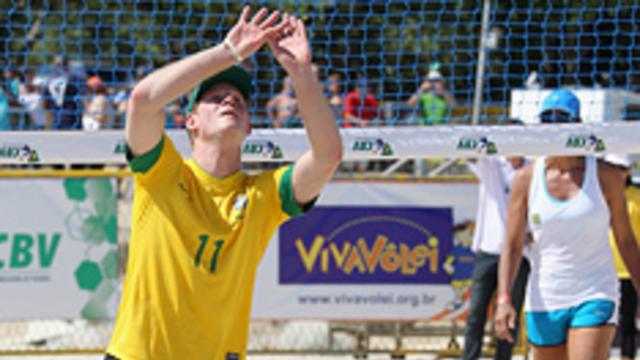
145, 162
288, 202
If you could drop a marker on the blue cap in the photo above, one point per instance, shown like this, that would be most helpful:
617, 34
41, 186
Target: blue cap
562, 99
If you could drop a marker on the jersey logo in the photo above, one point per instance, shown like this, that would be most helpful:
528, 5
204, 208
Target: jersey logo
536, 219
239, 205
232, 356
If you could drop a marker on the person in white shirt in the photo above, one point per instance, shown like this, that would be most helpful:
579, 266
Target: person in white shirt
31, 99
495, 176
568, 203
99, 113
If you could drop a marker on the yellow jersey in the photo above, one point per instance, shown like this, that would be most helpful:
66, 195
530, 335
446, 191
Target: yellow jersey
633, 205
196, 242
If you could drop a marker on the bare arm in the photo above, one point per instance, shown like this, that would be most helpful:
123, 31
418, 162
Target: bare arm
512, 251
413, 100
612, 184
145, 117
516, 230
315, 167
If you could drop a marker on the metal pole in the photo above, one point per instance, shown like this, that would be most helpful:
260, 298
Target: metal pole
482, 56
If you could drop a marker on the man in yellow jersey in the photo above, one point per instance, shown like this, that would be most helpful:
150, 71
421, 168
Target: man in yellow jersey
200, 226
628, 294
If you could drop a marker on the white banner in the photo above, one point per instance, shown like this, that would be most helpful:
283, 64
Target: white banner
369, 293
368, 143
58, 252
58, 255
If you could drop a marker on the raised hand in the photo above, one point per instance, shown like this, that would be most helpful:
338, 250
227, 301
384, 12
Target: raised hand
291, 46
424, 87
248, 35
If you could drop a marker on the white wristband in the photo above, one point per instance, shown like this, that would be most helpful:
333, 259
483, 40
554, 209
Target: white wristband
234, 51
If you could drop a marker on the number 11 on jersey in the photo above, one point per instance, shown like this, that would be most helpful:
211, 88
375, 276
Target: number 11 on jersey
204, 239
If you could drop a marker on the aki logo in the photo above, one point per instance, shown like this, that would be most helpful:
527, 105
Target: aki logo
20, 152
590, 143
120, 147
376, 146
266, 148
480, 145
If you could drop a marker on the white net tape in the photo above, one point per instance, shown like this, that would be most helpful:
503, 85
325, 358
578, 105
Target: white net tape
367, 143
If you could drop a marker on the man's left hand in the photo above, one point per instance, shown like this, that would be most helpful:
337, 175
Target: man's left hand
291, 47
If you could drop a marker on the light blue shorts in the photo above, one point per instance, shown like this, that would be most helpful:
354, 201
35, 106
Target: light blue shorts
550, 328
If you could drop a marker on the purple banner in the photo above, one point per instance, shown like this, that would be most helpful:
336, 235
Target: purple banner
366, 245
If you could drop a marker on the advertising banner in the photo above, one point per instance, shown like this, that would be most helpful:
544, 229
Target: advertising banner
58, 249
366, 245
372, 251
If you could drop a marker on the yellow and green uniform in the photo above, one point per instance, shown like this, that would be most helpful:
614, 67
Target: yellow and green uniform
196, 242
633, 205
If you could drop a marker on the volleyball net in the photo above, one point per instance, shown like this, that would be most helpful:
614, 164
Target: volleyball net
493, 60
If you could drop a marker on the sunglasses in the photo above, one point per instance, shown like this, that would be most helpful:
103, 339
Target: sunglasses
553, 117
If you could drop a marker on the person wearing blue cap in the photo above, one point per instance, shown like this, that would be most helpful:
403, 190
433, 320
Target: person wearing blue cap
560, 106
200, 226
568, 203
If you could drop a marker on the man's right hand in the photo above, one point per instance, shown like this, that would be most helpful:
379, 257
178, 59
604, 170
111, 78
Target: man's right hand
248, 36
505, 321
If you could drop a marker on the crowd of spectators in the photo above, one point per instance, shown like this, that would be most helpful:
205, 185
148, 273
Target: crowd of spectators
361, 107
62, 96
66, 97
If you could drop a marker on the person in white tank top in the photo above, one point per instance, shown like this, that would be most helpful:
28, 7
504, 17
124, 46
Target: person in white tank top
569, 203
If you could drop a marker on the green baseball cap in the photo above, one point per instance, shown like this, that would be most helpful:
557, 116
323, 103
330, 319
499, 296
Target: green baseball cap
235, 75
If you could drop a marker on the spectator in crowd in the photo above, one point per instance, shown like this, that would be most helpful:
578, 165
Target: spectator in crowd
334, 93
360, 105
434, 100
63, 97
120, 101
4, 109
282, 109
10, 89
32, 101
12, 83
174, 116
628, 295
99, 113
360, 109
495, 177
